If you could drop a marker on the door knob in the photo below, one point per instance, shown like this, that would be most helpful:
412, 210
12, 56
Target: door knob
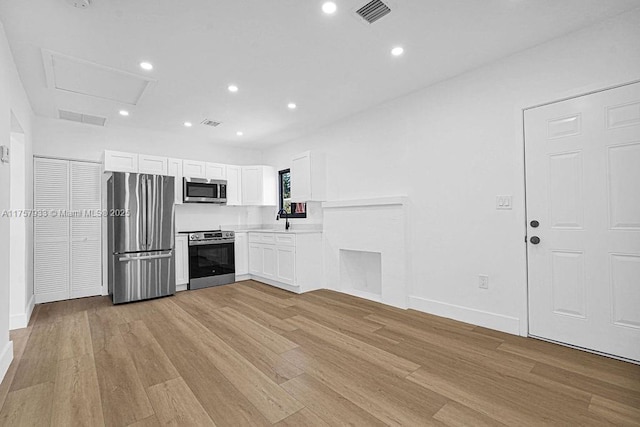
535, 240
534, 223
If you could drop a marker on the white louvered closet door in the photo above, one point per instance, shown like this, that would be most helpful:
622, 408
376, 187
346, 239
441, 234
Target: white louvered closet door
86, 259
51, 233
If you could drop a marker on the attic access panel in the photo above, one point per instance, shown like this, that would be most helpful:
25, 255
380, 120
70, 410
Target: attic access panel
69, 74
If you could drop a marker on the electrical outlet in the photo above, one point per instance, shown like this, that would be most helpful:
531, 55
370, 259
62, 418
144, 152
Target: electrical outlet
483, 282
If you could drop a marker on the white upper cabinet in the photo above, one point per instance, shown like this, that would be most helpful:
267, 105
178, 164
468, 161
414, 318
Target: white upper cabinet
259, 186
194, 169
234, 185
117, 161
216, 171
308, 177
155, 165
175, 170
246, 185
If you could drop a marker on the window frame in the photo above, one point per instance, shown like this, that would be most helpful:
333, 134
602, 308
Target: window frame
281, 196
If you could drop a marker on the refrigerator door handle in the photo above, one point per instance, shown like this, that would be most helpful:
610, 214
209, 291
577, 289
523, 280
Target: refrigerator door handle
143, 211
149, 225
144, 257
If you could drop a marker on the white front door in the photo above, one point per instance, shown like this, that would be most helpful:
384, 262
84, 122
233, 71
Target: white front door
583, 189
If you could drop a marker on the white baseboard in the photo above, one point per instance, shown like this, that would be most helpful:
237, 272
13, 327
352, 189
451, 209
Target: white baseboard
243, 277
30, 307
486, 319
19, 321
6, 357
183, 287
362, 294
290, 288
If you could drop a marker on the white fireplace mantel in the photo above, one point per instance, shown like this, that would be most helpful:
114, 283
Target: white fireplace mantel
356, 229
378, 201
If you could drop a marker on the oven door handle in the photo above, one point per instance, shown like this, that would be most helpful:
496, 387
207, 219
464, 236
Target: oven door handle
209, 242
145, 257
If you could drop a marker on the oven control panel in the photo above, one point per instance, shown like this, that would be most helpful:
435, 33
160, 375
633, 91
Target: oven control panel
212, 236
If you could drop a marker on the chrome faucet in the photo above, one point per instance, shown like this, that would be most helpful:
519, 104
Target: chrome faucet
286, 216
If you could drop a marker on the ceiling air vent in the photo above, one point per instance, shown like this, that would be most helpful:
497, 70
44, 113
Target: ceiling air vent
82, 118
211, 123
373, 11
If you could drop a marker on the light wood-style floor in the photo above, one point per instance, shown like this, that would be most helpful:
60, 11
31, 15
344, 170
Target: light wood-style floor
250, 354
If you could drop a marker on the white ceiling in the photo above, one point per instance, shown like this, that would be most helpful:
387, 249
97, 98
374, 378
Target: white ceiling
276, 51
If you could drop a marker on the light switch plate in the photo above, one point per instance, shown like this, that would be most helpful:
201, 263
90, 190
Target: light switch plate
4, 154
504, 202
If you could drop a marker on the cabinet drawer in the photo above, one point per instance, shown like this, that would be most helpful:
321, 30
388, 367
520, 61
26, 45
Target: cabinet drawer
268, 238
285, 239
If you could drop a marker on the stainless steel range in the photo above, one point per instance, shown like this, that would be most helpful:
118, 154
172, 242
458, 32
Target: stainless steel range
211, 259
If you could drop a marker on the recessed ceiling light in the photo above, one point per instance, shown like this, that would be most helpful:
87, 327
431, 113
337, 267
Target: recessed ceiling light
233, 88
292, 106
124, 113
188, 124
239, 133
397, 51
146, 66
329, 8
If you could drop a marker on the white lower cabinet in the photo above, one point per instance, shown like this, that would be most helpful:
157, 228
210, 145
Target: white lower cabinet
242, 254
288, 261
182, 261
269, 262
286, 264
255, 259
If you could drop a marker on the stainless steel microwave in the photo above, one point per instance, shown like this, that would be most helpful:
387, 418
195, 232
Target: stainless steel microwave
199, 190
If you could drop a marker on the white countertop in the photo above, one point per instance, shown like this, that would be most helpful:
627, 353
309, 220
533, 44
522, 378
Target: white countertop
279, 231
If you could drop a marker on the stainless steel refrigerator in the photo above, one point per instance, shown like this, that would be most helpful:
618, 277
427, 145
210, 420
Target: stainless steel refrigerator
141, 236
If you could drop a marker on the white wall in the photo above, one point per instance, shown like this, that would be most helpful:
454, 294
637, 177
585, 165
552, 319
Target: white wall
20, 297
452, 148
13, 100
202, 217
62, 138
